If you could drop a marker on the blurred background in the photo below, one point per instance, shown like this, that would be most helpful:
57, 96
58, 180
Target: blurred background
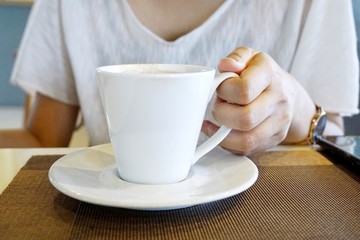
352, 124
13, 17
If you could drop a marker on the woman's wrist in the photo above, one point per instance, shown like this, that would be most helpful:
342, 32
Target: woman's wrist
303, 113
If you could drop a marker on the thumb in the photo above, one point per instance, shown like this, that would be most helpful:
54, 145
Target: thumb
237, 60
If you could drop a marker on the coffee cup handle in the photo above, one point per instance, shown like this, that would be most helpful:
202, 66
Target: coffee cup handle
223, 131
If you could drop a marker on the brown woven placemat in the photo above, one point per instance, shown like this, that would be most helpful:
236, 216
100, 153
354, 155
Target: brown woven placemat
287, 202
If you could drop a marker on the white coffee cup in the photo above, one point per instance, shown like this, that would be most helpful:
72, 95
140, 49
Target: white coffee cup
154, 114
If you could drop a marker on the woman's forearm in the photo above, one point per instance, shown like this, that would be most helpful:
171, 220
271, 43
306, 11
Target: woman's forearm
18, 138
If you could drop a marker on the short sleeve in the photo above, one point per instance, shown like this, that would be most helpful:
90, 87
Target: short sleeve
42, 63
326, 61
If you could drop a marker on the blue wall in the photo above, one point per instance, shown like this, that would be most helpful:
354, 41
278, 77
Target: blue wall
12, 24
356, 7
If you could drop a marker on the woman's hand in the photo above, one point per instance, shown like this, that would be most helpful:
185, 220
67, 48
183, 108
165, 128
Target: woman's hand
264, 105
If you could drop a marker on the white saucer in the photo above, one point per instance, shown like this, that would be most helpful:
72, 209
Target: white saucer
89, 175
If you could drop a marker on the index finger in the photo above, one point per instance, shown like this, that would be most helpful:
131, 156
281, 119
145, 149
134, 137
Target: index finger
253, 80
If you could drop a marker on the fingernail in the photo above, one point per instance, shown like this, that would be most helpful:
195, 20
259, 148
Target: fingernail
234, 61
231, 65
204, 127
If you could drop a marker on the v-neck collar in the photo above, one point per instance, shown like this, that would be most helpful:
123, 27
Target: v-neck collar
141, 30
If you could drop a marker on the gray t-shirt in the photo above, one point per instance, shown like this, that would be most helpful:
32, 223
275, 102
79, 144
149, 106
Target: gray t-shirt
66, 40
